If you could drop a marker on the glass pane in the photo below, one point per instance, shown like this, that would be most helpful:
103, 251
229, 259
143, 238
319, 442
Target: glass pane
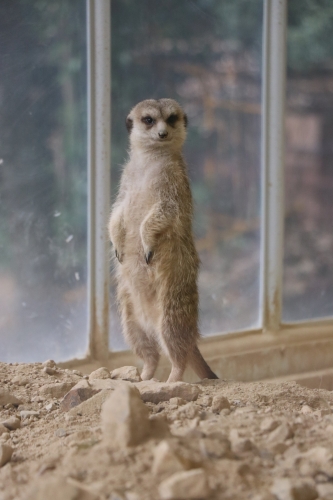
43, 180
206, 54
308, 277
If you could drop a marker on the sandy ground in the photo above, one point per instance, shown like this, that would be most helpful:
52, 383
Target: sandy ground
215, 439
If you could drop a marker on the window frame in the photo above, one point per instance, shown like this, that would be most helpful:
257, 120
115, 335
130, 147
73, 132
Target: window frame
273, 332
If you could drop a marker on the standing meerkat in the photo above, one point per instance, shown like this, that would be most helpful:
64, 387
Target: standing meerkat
151, 231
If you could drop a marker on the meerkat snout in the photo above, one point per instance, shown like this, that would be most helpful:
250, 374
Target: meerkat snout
163, 134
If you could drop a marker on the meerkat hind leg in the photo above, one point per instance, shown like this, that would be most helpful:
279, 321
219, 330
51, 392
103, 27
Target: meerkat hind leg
144, 346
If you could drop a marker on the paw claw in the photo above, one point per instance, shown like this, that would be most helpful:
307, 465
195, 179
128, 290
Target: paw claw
148, 257
118, 256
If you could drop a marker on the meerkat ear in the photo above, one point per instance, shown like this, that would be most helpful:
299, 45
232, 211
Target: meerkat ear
185, 120
129, 124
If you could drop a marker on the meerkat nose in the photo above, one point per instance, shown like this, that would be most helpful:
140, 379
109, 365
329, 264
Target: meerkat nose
163, 134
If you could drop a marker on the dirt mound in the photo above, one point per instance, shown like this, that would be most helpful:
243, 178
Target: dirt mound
212, 440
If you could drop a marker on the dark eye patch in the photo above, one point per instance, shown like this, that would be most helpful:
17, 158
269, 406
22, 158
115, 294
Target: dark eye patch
148, 120
172, 120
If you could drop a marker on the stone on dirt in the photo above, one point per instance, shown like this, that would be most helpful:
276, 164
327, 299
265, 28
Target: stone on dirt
28, 413
220, 403
177, 401
76, 396
125, 418
6, 398
130, 373
49, 363
20, 380
12, 423
91, 406
5, 454
3, 429
155, 392
286, 489
56, 390
215, 448
49, 371
166, 460
188, 485
281, 433
269, 424
100, 373
59, 489
325, 491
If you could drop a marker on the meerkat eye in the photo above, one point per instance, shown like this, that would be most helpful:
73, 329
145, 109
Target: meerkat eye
148, 120
172, 120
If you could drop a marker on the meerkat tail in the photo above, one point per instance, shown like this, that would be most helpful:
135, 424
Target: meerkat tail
199, 365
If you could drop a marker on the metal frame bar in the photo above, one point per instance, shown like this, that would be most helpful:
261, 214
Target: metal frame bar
273, 129
99, 161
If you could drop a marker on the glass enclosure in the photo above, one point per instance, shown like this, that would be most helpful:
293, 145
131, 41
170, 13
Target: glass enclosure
206, 55
43, 180
308, 276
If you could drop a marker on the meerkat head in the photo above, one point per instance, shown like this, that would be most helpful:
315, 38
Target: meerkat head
157, 124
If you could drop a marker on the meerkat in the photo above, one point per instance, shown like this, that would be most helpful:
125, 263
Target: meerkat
150, 228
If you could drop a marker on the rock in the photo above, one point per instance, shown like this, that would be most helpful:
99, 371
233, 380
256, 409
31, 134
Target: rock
155, 392
215, 448
325, 491
49, 371
220, 403
124, 417
189, 410
130, 373
12, 423
166, 460
306, 409
5, 454
317, 459
56, 390
59, 489
60, 433
100, 373
3, 429
318, 455
97, 384
269, 424
49, 363
6, 398
26, 414
285, 489
76, 396
242, 445
206, 401
186, 485
50, 407
92, 406
177, 401
19, 380
116, 495
281, 433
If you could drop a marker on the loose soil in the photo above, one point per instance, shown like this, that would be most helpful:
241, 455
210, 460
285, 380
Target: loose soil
269, 433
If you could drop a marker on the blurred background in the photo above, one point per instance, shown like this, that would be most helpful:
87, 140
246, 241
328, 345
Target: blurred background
207, 55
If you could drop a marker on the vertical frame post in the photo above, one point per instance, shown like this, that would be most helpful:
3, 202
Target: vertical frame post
273, 130
99, 149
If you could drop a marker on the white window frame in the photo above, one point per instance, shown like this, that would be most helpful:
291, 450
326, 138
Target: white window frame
274, 334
